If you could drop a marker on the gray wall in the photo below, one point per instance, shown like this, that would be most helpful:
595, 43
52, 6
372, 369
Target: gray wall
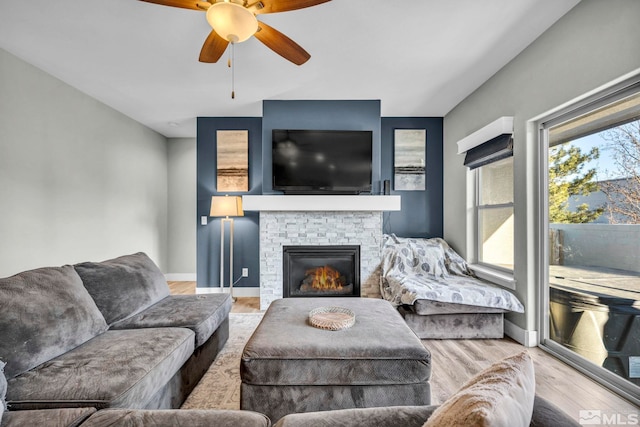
78, 180
182, 209
593, 44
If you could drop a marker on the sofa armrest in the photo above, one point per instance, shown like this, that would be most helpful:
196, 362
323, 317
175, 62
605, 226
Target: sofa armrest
63, 417
391, 416
177, 417
546, 413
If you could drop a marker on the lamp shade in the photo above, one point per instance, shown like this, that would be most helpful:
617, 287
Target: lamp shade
232, 21
226, 206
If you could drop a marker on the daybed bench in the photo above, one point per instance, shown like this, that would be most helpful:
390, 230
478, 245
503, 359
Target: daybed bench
438, 294
105, 335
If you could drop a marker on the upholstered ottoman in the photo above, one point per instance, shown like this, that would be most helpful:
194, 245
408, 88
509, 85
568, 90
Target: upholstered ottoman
289, 366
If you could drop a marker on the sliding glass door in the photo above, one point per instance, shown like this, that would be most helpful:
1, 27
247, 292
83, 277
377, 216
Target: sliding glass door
592, 226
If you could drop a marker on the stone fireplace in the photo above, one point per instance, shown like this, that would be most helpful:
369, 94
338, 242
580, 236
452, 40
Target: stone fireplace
321, 271
305, 221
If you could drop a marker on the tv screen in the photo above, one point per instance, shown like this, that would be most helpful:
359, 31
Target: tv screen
322, 161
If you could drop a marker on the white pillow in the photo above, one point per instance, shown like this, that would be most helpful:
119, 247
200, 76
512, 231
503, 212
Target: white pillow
501, 395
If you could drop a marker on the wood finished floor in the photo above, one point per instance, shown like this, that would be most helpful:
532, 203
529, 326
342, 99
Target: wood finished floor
455, 361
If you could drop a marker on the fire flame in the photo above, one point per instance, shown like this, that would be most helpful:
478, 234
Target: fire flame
325, 278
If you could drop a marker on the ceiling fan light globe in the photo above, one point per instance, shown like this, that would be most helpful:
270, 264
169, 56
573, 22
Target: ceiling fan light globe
232, 21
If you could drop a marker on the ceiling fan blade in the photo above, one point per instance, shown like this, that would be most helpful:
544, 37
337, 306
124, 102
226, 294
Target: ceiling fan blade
213, 48
281, 44
274, 6
185, 4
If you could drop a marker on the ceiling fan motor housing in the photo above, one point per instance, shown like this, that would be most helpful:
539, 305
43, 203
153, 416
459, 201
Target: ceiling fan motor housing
232, 21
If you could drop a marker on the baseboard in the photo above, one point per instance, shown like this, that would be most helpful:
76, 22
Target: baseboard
237, 292
523, 336
180, 277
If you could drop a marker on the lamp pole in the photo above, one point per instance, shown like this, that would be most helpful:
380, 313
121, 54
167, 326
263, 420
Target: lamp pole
225, 206
222, 230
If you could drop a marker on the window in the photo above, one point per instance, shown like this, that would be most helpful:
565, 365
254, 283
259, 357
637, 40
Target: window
494, 214
591, 263
490, 209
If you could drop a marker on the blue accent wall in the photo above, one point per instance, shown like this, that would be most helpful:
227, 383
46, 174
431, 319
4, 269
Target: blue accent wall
320, 115
246, 229
421, 214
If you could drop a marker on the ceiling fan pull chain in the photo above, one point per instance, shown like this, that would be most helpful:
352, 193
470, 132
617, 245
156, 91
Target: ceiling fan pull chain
232, 59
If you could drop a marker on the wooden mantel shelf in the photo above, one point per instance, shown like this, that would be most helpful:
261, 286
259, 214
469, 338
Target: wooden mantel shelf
281, 203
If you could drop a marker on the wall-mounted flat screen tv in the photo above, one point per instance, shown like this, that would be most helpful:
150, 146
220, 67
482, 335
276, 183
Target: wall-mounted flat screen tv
322, 161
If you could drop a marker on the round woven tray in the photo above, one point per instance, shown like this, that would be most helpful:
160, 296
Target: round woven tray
332, 318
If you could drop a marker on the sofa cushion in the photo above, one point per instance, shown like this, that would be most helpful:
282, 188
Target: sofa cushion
176, 417
501, 395
51, 313
200, 313
123, 286
66, 417
425, 307
122, 369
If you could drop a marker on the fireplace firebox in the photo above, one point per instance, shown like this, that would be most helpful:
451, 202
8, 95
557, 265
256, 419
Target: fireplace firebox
321, 271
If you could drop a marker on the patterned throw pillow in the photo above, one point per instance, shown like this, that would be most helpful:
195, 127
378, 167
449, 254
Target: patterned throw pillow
422, 257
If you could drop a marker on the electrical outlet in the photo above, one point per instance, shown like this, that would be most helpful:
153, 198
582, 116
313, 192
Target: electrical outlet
245, 272
203, 220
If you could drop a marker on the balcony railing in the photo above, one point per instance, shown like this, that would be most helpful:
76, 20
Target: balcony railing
594, 281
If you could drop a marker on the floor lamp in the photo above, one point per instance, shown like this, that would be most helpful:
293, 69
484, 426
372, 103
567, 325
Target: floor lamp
226, 206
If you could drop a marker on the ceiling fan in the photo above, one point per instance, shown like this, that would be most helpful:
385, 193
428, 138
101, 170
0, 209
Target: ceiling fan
234, 21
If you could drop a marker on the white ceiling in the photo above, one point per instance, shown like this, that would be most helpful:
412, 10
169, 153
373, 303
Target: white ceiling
419, 57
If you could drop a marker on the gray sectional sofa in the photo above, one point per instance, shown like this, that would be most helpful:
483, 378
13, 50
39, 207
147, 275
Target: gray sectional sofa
100, 335
104, 344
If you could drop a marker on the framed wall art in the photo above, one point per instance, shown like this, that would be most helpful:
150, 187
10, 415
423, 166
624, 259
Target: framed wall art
409, 159
232, 160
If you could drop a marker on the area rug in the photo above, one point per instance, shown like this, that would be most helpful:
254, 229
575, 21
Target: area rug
219, 388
